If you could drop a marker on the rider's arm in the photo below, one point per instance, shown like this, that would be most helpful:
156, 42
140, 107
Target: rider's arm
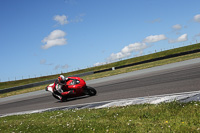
65, 93
68, 92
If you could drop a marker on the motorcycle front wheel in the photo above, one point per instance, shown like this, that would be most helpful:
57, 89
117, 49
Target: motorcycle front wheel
91, 91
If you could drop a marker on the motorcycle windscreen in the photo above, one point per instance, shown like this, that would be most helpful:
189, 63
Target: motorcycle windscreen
50, 87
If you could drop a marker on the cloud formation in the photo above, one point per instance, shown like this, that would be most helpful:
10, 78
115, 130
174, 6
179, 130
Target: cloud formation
127, 51
137, 47
197, 18
55, 38
99, 63
177, 27
61, 19
181, 38
154, 38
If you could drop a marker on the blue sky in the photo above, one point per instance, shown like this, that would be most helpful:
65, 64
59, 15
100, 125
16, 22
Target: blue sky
43, 37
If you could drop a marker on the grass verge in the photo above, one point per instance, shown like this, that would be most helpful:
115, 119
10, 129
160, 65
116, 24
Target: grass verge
164, 117
42, 87
115, 72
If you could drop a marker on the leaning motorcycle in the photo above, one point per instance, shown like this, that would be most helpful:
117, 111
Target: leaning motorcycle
76, 85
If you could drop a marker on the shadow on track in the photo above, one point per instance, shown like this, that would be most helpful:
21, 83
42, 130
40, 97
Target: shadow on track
74, 98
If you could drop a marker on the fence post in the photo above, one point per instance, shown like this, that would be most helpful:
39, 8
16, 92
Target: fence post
113, 68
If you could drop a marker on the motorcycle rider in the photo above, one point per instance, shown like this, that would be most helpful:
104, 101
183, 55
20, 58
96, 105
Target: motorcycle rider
59, 89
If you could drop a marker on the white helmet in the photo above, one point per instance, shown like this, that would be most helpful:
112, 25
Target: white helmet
62, 80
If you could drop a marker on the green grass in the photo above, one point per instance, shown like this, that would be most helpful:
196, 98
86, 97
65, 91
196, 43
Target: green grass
37, 88
9, 84
164, 117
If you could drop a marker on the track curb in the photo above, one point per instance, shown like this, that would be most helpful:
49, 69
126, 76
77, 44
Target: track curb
181, 97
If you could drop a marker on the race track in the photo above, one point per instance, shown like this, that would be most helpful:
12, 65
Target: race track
166, 79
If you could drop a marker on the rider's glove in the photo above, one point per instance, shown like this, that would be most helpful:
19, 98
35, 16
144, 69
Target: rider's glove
72, 92
68, 92
65, 93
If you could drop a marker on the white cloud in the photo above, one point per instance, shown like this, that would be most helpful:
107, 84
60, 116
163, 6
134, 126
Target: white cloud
177, 27
61, 19
99, 63
182, 38
197, 18
135, 47
154, 38
55, 38
127, 51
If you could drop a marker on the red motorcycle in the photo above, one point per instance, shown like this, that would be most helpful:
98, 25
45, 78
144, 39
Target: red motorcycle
74, 87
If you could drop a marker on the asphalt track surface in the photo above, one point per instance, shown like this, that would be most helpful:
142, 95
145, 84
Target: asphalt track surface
166, 79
